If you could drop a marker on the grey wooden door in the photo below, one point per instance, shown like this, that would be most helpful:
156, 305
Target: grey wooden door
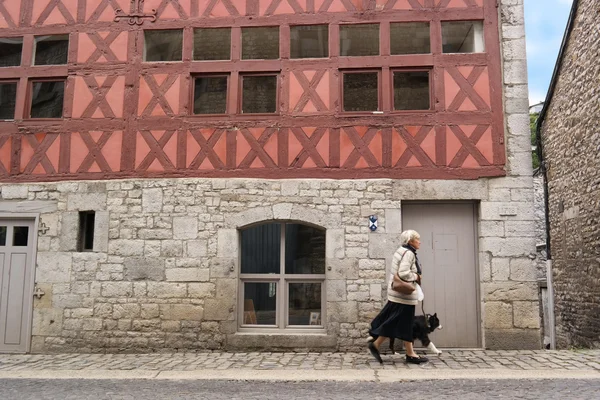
16, 284
450, 279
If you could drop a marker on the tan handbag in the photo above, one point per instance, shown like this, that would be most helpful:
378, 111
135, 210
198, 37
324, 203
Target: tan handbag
402, 286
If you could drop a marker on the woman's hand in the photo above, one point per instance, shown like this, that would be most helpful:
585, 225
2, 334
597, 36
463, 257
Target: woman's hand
418, 279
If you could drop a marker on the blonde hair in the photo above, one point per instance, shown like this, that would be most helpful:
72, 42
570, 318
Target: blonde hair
408, 235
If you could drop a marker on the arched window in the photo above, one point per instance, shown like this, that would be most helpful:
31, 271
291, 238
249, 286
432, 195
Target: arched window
282, 276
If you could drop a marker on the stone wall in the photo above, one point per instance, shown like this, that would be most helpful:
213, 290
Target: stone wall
571, 142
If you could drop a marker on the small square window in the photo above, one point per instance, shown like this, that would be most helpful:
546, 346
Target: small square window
210, 95
212, 44
361, 91
261, 43
410, 38
20, 236
10, 51
411, 90
163, 45
51, 50
8, 97
47, 99
462, 37
259, 94
359, 40
87, 221
309, 41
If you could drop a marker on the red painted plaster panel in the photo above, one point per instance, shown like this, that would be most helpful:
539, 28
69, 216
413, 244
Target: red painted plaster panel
457, 4
116, 96
102, 11
486, 145
405, 5
467, 105
296, 91
13, 9
283, 7
413, 162
5, 154
83, 97
398, 146
218, 10
470, 162
451, 88
141, 149
428, 145
482, 87
46, 12
465, 70
453, 145
335, 6
172, 9
323, 89
376, 147
145, 96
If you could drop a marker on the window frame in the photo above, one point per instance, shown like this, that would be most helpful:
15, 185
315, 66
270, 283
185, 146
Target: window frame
429, 70
282, 281
379, 40
85, 231
35, 44
29, 97
327, 57
17, 82
195, 28
145, 48
241, 43
193, 77
379, 71
456, 21
240, 104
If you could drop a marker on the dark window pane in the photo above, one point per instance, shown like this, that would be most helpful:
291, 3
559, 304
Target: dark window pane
411, 90
47, 99
361, 92
305, 304
2, 235
462, 37
210, 95
212, 44
8, 96
86, 230
261, 249
163, 45
260, 43
359, 40
20, 235
410, 38
260, 303
304, 249
259, 94
10, 52
310, 41
51, 50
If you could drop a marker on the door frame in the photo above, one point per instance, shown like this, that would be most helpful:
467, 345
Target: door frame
476, 231
29, 313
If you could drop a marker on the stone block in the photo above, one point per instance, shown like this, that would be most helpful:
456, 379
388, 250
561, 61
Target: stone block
69, 229
126, 247
179, 312
510, 291
290, 187
152, 200
335, 243
345, 268
439, 189
336, 290
53, 267
523, 270
491, 228
226, 289
500, 269
216, 310
375, 292
383, 245
393, 220
520, 228
14, 192
282, 210
223, 267
526, 314
46, 300
508, 247
47, 322
515, 72
171, 248
101, 228
86, 201
227, 243
249, 216
92, 324
201, 290
498, 315
512, 339
327, 220
187, 274
342, 311
185, 227
103, 310
144, 268
126, 311
116, 289
155, 233
196, 248
164, 290
485, 266
510, 210
149, 311
274, 342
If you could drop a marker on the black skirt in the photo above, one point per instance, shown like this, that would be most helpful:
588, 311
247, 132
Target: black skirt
395, 320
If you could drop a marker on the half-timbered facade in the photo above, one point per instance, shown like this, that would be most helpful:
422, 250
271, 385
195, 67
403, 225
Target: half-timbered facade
235, 174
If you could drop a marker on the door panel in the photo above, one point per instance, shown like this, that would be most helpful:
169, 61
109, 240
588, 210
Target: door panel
16, 284
448, 258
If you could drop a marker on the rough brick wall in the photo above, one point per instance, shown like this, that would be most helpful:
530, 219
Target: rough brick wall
571, 142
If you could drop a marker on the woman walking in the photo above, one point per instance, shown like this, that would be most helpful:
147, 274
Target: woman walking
396, 318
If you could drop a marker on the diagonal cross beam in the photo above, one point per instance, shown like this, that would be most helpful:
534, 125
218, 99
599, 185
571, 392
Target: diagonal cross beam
413, 147
156, 151
228, 5
101, 7
3, 140
310, 92
39, 153
158, 95
347, 3
361, 147
103, 47
275, 3
257, 148
309, 147
176, 5
468, 146
50, 7
467, 89
207, 149
94, 152
99, 100
4, 12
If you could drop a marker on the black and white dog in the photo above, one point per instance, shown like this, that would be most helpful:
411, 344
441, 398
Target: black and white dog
423, 325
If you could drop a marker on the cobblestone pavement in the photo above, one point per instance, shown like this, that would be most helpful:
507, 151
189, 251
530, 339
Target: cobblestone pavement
23, 389
588, 360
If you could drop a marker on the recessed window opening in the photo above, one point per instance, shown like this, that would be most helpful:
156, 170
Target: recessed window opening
51, 50
411, 90
359, 40
86, 231
163, 45
11, 50
309, 41
462, 37
282, 276
212, 44
259, 94
210, 94
410, 38
8, 98
361, 91
47, 99
260, 43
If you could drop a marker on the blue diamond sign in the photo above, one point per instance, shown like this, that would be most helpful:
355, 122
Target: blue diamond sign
373, 222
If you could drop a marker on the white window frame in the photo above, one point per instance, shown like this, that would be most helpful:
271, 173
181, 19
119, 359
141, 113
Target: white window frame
282, 293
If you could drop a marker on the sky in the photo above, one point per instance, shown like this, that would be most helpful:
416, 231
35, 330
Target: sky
545, 23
